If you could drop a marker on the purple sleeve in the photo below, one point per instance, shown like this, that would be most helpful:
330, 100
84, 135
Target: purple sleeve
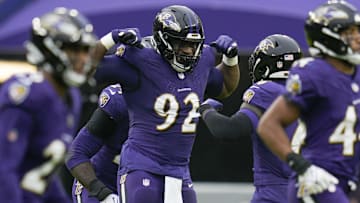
14, 135
300, 88
215, 83
113, 69
84, 146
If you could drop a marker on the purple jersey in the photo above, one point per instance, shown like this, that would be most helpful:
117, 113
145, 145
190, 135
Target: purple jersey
268, 169
106, 160
329, 102
37, 125
162, 111
104, 153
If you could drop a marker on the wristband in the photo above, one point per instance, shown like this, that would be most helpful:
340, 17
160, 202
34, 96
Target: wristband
230, 61
107, 41
99, 190
297, 163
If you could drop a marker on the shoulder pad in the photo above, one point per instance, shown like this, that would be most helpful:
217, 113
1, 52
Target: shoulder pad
108, 93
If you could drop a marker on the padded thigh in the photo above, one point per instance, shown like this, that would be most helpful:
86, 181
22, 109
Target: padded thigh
141, 186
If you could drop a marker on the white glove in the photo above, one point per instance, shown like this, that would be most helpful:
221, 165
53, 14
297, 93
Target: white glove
315, 180
112, 198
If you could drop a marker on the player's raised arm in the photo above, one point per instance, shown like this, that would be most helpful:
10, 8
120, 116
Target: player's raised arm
126, 36
229, 65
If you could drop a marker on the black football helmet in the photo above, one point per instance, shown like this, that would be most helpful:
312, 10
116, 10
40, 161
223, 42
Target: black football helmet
273, 57
323, 27
50, 34
176, 25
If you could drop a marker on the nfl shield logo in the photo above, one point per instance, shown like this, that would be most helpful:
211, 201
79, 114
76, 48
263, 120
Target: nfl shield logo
146, 182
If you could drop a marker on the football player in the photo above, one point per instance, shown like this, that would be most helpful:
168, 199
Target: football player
174, 68
39, 111
324, 92
94, 154
269, 66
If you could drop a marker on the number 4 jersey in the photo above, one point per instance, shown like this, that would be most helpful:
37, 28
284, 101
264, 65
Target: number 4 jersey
330, 107
36, 127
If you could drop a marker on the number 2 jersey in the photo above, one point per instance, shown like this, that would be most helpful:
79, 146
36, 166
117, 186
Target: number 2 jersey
36, 128
330, 106
163, 109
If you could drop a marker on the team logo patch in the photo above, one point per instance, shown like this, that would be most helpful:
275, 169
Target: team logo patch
264, 46
120, 50
12, 135
18, 92
248, 95
325, 15
103, 99
123, 178
168, 20
293, 84
78, 188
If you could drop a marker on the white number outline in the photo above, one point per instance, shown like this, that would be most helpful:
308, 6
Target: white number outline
36, 180
344, 132
167, 106
298, 139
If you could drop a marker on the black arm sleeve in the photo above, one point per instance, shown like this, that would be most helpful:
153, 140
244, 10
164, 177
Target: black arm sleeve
224, 127
101, 124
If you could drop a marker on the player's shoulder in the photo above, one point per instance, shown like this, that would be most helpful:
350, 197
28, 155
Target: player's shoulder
208, 51
309, 65
311, 70
26, 89
111, 97
263, 90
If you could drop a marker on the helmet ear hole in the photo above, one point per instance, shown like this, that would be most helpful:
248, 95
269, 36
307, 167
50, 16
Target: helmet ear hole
273, 57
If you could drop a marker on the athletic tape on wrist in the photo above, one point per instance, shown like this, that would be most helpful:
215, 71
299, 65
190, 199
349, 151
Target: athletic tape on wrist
230, 61
107, 41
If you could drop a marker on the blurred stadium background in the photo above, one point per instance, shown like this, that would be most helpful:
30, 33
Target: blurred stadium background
222, 171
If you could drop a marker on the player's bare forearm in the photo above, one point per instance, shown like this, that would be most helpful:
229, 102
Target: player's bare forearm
231, 79
272, 126
97, 55
84, 173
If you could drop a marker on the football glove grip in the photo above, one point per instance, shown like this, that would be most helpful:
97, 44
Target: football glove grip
311, 179
127, 36
228, 47
315, 180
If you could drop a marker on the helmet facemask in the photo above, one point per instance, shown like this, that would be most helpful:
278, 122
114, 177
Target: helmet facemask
325, 29
58, 39
183, 53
